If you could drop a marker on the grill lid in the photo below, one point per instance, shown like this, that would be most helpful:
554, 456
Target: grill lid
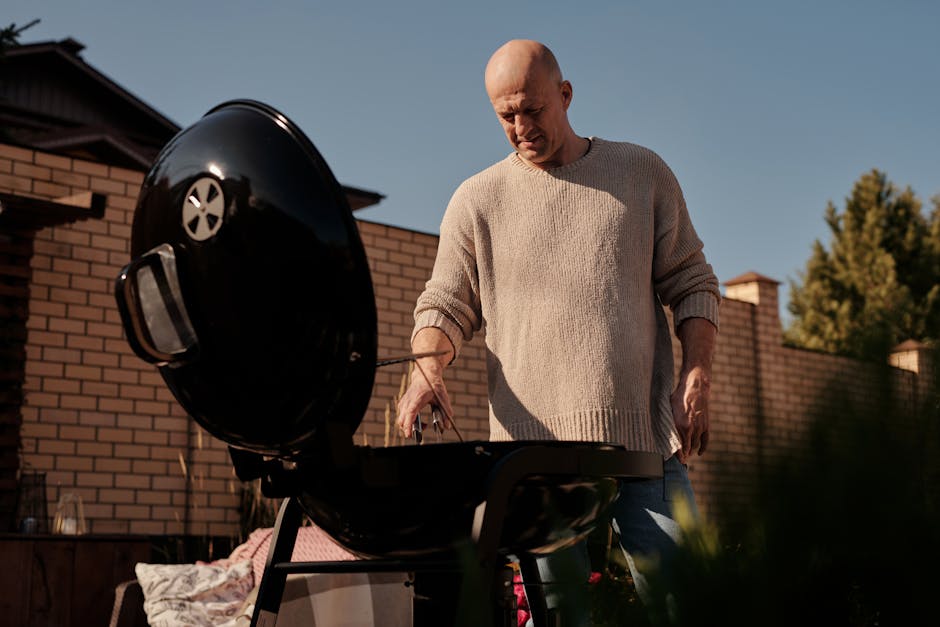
249, 287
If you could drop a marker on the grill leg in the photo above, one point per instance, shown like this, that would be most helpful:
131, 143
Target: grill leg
281, 549
533, 591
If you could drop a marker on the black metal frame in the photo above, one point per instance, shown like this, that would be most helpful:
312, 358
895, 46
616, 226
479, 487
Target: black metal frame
486, 532
279, 566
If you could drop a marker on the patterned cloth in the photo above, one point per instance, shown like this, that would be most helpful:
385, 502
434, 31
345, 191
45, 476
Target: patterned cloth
194, 594
215, 593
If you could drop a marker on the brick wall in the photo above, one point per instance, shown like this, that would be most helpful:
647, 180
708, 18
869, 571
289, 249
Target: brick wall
101, 423
96, 419
765, 395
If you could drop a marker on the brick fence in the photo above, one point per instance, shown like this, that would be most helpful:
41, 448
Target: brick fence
100, 423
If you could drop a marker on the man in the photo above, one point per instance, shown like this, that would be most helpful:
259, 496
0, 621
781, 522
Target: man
565, 252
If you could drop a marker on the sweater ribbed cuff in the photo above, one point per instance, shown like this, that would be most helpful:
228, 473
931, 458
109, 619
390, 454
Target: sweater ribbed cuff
697, 305
434, 318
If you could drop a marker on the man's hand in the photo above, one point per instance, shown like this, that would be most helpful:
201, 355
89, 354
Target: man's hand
418, 396
421, 391
690, 411
690, 399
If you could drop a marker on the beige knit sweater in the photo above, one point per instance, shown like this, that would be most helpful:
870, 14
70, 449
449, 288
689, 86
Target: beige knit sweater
566, 271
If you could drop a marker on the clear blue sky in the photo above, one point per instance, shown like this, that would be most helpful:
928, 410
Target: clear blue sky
765, 110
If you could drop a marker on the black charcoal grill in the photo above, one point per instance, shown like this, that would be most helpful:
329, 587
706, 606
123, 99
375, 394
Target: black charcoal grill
250, 291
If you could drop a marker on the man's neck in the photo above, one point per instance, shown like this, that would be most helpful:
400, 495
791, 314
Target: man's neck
573, 149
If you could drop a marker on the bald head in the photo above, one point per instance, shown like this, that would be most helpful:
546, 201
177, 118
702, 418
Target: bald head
531, 100
518, 62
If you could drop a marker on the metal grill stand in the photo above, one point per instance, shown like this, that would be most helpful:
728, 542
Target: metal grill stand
485, 596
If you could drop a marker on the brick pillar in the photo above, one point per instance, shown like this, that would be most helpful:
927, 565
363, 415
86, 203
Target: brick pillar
760, 291
16, 248
915, 357
769, 374
912, 356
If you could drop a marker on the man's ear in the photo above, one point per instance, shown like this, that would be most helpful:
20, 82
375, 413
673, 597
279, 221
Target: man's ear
567, 92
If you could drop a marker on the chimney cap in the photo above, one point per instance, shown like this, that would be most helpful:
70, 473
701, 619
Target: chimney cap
750, 277
909, 345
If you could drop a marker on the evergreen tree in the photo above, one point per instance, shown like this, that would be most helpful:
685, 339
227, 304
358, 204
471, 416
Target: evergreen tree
880, 282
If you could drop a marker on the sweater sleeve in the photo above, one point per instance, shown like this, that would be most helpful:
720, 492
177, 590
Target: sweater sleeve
682, 278
451, 298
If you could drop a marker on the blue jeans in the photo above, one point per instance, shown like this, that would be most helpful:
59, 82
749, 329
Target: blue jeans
642, 516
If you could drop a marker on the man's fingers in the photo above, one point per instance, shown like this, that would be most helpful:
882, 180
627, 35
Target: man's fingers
406, 418
700, 429
699, 420
408, 408
694, 440
687, 437
416, 399
683, 425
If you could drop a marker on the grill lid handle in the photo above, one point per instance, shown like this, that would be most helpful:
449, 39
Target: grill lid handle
153, 310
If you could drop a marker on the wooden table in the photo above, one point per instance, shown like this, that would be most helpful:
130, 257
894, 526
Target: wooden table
64, 581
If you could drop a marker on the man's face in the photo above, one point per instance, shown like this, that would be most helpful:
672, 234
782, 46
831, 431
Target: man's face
533, 114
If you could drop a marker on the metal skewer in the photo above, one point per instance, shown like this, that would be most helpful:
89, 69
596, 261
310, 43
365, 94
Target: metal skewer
416, 429
437, 423
404, 358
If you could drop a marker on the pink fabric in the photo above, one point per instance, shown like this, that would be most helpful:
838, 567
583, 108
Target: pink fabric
522, 604
313, 545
